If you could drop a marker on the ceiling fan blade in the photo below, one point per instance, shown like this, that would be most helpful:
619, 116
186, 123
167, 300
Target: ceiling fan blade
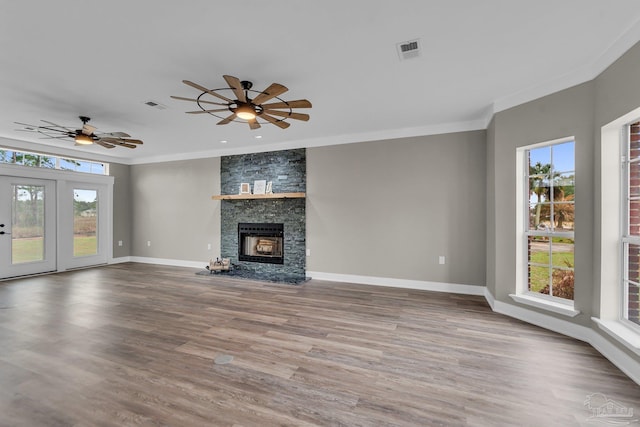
88, 129
272, 91
202, 101
227, 120
219, 110
32, 128
120, 141
291, 115
116, 141
273, 120
298, 103
104, 144
114, 134
27, 127
236, 86
204, 89
253, 124
56, 125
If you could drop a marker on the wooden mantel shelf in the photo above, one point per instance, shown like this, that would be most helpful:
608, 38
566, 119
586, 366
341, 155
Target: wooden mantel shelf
260, 196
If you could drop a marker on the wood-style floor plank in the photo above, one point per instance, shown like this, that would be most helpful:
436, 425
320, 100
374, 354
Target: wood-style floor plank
137, 345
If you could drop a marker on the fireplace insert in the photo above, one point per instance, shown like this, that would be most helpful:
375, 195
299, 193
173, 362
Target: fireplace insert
261, 242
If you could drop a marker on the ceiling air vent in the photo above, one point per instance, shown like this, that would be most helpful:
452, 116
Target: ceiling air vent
409, 49
155, 104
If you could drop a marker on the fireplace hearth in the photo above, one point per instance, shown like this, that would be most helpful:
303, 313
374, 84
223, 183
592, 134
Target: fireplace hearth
261, 242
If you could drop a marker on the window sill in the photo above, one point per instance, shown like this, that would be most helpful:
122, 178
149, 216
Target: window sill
621, 333
556, 307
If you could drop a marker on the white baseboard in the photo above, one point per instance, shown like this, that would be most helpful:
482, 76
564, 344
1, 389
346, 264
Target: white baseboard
399, 283
164, 261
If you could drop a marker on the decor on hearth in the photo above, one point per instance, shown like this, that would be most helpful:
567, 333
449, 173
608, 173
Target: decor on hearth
219, 265
269, 189
245, 188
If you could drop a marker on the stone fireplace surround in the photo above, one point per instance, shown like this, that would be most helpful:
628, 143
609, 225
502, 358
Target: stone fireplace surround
287, 170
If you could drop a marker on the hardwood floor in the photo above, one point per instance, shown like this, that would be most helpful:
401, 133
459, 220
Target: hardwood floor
135, 344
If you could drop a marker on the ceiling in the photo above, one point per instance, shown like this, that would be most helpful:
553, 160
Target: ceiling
105, 60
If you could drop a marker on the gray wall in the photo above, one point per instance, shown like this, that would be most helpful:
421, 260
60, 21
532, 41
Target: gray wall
391, 208
172, 208
566, 113
122, 209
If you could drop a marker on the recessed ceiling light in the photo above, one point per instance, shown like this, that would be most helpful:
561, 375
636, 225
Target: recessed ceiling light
258, 136
224, 141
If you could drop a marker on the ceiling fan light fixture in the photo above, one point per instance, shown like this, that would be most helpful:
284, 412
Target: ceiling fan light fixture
83, 139
245, 112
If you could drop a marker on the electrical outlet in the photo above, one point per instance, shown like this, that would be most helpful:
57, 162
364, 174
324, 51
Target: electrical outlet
208, 246
119, 242
148, 242
441, 259
308, 252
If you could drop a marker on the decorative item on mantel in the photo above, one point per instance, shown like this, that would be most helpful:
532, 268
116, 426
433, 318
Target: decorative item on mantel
245, 188
259, 186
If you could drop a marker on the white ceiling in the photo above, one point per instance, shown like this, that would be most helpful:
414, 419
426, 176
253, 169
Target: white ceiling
61, 59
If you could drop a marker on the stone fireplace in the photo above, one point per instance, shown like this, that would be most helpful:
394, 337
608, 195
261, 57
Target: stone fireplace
269, 253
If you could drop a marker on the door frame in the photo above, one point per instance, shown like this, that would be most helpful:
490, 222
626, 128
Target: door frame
65, 182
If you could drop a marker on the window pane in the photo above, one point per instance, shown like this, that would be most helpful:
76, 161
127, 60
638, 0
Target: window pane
27, 229
563, 214
633, 308
634, 141
540, 217
538, 260
68, 164
85, 222
564, 184
562, 259
541, 156
562, 283
633, 263
634, 218
562, 251
563, 157
634, 179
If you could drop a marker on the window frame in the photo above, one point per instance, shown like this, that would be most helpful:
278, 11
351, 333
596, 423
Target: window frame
523, 295
57, 161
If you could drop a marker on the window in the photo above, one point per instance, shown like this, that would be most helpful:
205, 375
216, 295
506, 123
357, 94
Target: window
549, 228
40, 160
631, 225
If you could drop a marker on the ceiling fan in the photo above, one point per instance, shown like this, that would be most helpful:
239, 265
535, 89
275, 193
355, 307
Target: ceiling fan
87, 135
239, 102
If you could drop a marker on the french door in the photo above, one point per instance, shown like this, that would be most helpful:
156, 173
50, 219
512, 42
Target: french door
27, 226
84, 231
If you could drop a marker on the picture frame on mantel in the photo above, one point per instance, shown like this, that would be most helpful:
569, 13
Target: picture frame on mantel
259, 186
269, 189
245, 188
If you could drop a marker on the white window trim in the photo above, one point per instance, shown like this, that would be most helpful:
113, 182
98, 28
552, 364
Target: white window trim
523, 295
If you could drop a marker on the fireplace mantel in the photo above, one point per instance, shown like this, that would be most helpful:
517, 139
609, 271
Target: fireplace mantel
260, 196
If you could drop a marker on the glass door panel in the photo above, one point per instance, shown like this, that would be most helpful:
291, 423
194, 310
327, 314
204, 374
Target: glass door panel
27, 223
85, 222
